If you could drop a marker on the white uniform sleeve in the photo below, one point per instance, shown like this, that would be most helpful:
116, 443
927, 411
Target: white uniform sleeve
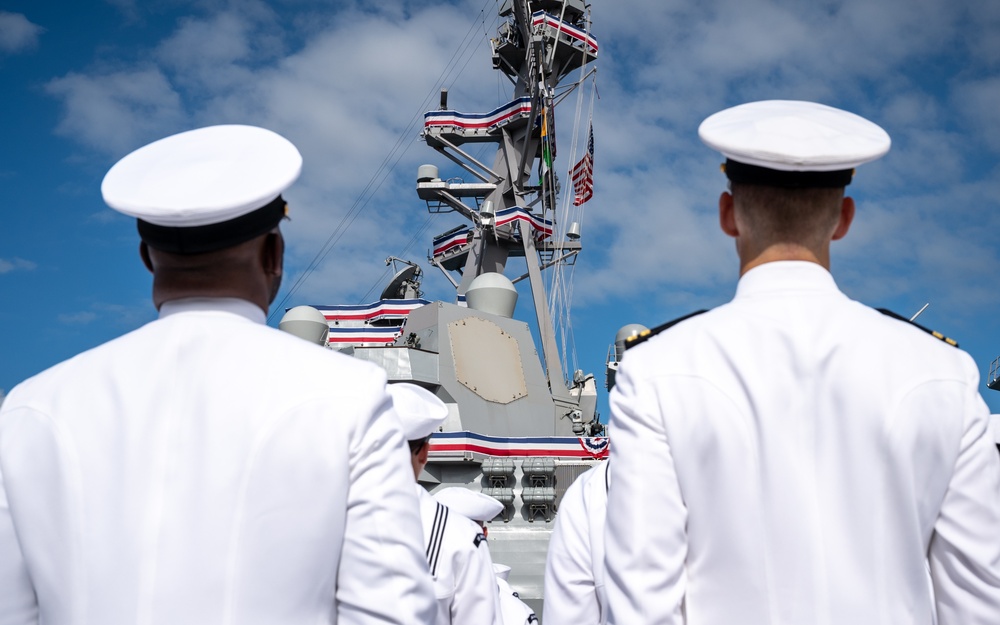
476, 596
18, 604
383, 576
645, 538
965, 548
570, 589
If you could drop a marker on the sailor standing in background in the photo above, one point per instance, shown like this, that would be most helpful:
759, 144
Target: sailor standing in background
794, 456
456, 550
482, 508
206, 468
574, 565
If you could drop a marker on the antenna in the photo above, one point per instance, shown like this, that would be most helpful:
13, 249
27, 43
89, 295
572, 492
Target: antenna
920, 311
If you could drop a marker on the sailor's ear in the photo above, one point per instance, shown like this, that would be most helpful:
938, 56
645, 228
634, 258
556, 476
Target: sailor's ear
144, 254
273, 253
727, 214
846, 218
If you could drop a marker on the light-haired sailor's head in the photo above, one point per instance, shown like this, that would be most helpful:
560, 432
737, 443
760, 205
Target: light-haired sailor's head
792, 144
206, 189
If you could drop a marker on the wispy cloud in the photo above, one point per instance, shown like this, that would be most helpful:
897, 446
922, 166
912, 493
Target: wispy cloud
114, 113
77, 318
17, 34
16, 264
116, 315
348, 90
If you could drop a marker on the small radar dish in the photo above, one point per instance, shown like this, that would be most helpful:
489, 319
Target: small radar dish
404, 285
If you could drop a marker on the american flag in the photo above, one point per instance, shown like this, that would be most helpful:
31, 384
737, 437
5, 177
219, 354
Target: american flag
583, 173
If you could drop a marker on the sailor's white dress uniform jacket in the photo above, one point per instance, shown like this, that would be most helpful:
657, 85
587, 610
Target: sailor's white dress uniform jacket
206, 468
512, 610
460, 565
574, 567
796, 457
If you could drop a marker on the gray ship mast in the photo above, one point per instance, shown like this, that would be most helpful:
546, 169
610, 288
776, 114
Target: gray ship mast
536, 57
516, 431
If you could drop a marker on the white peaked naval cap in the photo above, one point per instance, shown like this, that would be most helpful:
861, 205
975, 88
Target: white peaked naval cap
470, 504
205, 189
817, 145
420, 411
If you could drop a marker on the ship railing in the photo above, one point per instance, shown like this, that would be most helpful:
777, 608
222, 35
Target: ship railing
993, 381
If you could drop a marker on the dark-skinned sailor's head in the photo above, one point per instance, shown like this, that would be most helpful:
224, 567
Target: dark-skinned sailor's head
208, 204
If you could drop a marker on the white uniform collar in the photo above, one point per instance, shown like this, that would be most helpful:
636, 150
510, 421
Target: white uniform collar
232, 305
785, 275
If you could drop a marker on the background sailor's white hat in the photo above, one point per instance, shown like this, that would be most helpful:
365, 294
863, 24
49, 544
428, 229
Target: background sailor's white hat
205, 189
817, 145
471, 504
502, 571
420, 411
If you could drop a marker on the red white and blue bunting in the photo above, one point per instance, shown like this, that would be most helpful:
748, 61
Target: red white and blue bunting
516, 109
382, 309
543, 227
552, 23
449, 242
364, 336
444, 445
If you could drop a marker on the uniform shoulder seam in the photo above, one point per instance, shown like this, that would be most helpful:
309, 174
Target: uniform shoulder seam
937, 335
645, 335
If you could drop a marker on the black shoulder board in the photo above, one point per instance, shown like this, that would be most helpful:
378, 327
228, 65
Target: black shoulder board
480, 537
635, 339
937, 335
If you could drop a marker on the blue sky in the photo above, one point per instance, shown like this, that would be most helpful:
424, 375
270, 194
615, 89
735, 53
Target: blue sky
84, 83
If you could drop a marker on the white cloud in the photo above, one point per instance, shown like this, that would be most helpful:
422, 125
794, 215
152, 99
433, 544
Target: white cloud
119, 111
214, 55
977, 101
352, 91
16, 264
17, 34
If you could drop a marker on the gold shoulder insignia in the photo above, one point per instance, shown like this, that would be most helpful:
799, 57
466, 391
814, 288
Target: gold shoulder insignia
937, 335
645, 335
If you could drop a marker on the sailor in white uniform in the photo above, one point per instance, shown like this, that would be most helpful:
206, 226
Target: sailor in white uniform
482, 508
456, 550
206, 468
513, 611
574, 565
794, 456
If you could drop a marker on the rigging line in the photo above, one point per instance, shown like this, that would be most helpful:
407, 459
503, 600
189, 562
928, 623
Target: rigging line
564, 212
560, 298
360, 202
562, 287
451, 68
465, 45
413, 239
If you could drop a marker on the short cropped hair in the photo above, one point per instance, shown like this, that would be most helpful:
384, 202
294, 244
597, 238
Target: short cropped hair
781, 215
